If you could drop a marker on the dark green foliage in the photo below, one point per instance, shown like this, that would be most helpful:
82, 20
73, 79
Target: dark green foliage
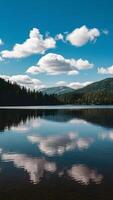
14, 95
97, 98
105, 85
98, 93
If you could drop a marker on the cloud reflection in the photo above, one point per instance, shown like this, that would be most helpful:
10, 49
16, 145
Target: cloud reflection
35, 167
0, 157
25, 127
78, 121
58, 145
84, 175
106, 135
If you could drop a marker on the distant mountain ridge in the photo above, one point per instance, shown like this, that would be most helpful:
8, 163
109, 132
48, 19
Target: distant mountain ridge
57, 90
97, 93
102, 85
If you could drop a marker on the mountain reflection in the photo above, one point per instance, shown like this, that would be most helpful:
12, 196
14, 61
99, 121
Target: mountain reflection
57, 145
35, 167
65, 152
14, 118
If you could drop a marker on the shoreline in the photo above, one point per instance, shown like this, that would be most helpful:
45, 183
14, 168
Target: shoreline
75, 107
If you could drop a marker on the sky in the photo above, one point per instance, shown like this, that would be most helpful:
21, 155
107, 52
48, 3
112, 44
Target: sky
48, 43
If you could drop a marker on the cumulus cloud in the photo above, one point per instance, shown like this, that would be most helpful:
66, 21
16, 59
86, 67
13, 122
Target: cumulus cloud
35, 44
84, 175
0, 150
61, 83
1, 42
1, 59
55, 64
74, 85
24, 80
103, 70
81, 36
59, 37
78, 85
58, 145
35, 167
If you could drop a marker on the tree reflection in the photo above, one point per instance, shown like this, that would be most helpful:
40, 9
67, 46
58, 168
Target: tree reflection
102, 117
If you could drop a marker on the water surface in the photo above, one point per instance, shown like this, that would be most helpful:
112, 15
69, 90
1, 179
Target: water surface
56, 154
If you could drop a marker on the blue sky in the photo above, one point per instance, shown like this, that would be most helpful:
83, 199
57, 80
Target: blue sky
50, 18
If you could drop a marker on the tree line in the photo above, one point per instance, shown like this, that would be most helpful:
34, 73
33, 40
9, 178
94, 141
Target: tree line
12, 94
89, 98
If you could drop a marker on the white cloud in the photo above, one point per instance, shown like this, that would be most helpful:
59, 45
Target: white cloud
55, 64
0, 150
106, 32
33, 70
24, 80
80, 36
61, 83
84, 175
35, 167
103, 70
1, 42
59, 37
58, 145
74, 85
1, 59
78, 85
35, 44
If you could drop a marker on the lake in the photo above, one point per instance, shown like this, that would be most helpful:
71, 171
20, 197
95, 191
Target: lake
51, 154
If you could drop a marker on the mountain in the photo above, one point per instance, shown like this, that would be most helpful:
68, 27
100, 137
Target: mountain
98, 93
103, 85
12, 94
57, 90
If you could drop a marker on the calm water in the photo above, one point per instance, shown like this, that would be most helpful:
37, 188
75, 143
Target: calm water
56, 154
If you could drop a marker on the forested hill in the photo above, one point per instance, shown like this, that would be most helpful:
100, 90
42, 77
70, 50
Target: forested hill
100, 93
105, 85
57, 90
14, 95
